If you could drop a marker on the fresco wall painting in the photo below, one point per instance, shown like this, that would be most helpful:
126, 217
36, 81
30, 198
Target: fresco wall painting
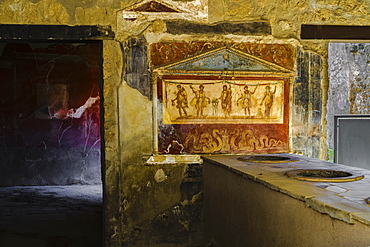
222, 101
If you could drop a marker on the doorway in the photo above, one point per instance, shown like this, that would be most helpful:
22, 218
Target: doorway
50, 129
50, 114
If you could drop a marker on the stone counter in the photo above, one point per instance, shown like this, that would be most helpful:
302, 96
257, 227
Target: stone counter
256, 204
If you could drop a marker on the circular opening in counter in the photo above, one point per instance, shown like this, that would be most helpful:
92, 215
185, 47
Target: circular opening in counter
267, 159
322, 175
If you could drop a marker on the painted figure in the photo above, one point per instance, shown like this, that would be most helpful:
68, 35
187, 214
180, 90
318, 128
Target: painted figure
181, 100
214, 106
268, 99
245, 100
226, 96
200, 101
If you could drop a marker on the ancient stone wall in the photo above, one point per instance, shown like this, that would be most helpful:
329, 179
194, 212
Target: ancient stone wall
140, 207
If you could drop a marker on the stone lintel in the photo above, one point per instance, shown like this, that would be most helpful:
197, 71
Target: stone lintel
54, 32
345, 32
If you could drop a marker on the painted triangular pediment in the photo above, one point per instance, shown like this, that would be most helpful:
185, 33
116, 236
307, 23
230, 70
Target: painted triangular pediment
225, 59
166, 9
153, 6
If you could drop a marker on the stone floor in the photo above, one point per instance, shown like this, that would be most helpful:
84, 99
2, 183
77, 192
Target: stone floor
51, 216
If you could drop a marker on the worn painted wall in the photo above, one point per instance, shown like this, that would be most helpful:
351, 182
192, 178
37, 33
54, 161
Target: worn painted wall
128, 95
307, 110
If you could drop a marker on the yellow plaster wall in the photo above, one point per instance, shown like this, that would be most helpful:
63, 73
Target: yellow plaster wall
135, 116
54, 12
28, 12
286, 16
95, 16
112, 69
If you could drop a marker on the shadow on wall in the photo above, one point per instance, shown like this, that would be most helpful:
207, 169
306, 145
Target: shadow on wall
49, 114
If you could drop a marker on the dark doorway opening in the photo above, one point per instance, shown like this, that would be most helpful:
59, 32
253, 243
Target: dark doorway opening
50, 132
49, 114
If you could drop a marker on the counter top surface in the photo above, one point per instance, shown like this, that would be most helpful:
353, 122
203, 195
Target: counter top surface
346, 201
